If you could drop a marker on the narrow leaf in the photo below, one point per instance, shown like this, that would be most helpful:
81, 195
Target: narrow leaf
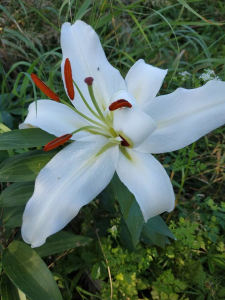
17, 194
29, 273
157, 224
131, 211
12, 216
60, 242
83, 9
185, 4
8, 289
25, 166
26, 138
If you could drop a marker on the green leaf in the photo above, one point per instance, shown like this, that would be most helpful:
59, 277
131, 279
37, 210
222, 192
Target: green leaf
60, 242
184, 3
8, 289
24, 138
157, 224
12, 216
107, 18
156, 232
132, 214
17, 194
3, 155
83, 9
123, 195
29, 273
25, 166
107, 199
152, 237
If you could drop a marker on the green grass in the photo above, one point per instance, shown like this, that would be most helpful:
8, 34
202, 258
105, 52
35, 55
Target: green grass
168, 35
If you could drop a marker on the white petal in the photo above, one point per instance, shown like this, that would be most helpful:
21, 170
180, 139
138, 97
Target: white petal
144, 81
73, 178
147, 180
133, 125
55, 118
184, 116
82, 46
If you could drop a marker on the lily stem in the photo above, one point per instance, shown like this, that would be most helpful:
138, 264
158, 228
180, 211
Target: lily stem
85, 117
86, 103
91, 92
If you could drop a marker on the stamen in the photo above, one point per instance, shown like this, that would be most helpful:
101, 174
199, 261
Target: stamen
57, 142
69, 79
44, 88
119, 104
124, 143
89, 80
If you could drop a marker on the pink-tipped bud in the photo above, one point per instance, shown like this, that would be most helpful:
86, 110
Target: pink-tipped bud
89, 80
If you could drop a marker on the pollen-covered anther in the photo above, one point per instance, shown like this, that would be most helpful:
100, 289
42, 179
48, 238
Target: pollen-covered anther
69, 79
89, 80
44, 88
124, 143
57, 142
119, 104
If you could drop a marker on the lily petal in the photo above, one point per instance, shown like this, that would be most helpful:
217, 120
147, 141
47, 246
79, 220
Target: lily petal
184, 116
133, 125
82, 46
125, 95
65, 184
148, 181
144, 81
55, 118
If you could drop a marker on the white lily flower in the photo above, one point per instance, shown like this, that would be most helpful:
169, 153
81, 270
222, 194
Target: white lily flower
117, 123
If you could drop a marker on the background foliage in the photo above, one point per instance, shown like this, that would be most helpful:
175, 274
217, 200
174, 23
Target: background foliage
93, 258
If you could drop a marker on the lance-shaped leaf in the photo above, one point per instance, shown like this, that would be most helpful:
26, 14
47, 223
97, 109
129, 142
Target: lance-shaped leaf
157, 224
29, 273
12, 216
25, 166
17, 139
8, 289
17, 194
60, 242
156, 232
133, 218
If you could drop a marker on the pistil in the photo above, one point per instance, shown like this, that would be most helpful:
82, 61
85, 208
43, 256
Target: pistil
124, 143
89, 82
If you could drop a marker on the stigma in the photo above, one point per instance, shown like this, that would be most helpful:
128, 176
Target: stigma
124, 142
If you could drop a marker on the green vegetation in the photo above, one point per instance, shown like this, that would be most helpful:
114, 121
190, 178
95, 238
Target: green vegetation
96, 261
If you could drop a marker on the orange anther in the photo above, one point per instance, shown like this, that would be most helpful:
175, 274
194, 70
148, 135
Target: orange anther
57, 142
119, 104
69, 79
44, 88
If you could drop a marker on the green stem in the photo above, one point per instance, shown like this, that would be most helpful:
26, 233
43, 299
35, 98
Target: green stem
85, 128
86, 103
91, 92
85, 117
104, 148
